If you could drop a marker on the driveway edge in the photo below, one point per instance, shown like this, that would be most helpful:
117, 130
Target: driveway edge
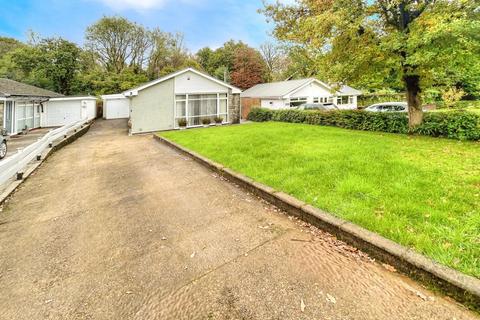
44, 156
462, 287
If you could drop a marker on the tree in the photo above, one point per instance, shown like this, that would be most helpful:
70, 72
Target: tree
169, 54
248, 68
8, 45
205, 58
276, 61
51, 63
220, 62
118, 43
59, 62
409, 41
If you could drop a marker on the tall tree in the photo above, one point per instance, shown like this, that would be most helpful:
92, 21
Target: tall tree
412, 40
248, 68
169, 54
220, 62
52, 63
60, 62
276, 61
118, 43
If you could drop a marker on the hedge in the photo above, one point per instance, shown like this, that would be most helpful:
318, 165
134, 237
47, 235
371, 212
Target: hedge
460, 125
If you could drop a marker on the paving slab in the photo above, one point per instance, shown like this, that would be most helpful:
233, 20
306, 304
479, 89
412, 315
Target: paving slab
118, 227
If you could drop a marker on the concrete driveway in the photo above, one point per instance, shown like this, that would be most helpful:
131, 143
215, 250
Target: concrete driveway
118, 227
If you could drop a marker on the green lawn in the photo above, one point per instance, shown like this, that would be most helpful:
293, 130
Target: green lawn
421, 192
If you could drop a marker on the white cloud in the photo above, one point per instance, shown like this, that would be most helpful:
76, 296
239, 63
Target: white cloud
134, 4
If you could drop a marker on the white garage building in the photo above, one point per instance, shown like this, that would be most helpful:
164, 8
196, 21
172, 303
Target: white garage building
116, 106
25, 107
65, 110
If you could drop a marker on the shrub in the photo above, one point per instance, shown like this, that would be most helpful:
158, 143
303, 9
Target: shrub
259, 115
460, 125
182, 122
218, 120
294, 116
206, 121
452, 96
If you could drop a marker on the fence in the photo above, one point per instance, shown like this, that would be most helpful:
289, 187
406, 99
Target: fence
17, 163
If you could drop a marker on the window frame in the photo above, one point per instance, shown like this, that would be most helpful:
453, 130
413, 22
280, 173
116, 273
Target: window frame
217, 97
300, 100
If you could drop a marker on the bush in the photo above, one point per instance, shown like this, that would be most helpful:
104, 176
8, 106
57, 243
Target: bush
460, 125
218, 120
259, 115
455, 125
289, 116
206, 121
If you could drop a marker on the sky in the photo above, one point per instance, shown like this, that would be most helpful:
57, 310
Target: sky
203, 22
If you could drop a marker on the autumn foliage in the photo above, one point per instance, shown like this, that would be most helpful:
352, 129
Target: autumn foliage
248, 68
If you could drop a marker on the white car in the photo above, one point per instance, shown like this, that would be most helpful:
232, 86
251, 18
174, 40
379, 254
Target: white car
388, 107
3, 145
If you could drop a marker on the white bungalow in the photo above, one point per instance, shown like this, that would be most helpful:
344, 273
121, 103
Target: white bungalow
292, 93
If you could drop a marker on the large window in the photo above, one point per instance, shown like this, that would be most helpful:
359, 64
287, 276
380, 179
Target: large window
345, 100
320, 99
295, 102
195, 107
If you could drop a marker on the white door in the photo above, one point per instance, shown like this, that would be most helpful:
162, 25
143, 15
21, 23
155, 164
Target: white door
60, 113
117, 109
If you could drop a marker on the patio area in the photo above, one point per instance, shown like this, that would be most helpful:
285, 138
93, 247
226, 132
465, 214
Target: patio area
21, 141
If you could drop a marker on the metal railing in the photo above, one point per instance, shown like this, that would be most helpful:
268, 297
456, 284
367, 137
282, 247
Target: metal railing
18, 162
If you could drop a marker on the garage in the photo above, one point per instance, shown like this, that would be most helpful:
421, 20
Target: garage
65, 110
115, 106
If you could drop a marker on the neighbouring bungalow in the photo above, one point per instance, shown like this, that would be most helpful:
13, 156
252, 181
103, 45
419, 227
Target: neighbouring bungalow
293, 93
25, 107
188, 94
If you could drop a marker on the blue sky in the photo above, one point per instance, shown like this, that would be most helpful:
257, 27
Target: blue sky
203, 22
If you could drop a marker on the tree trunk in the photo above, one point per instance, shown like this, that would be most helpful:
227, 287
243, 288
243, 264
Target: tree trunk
415, 112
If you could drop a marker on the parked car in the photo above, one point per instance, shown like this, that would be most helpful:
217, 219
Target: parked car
388, 107
318, 106
3, 144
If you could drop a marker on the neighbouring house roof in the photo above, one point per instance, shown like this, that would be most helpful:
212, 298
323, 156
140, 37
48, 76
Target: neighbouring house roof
274, 89
11, 88
134, 91
348, 91
283, 88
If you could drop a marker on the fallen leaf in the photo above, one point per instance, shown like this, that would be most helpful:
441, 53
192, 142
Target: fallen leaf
421, 295
331, 298
389, 267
